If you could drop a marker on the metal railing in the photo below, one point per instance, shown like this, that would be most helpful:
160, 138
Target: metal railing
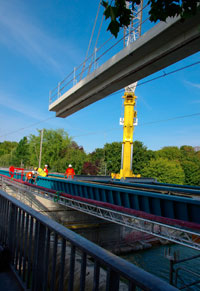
178, 271
47, 256
99, 56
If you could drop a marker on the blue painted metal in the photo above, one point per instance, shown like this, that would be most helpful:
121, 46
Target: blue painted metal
193, 190
16, 176
185, 209
182, 208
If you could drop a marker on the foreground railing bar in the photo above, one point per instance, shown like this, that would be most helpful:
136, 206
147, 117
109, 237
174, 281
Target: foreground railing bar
18, 237
40, 271
25, 247
30, 253
53, 270
12, 231
3, 221
36, 226
71, 270
83, 271
62, 264
96, 276
46, 262
131, 286
7, 218
21, 243
1, 218
112, 282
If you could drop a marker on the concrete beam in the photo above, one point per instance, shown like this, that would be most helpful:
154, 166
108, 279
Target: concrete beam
163, 45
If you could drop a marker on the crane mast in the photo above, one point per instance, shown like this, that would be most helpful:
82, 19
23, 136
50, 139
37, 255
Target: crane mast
131, 33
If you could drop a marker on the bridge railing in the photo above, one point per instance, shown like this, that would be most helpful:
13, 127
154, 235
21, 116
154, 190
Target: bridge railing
47, 256
99, 56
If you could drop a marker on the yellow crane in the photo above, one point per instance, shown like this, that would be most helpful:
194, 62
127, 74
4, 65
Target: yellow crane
131, 33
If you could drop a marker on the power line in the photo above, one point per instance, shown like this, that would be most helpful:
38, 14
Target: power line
140, 84
23, 128
142, 124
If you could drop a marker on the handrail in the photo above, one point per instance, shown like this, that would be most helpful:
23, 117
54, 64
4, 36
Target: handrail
86, 66
43, 251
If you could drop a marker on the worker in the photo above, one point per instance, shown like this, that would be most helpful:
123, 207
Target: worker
40, 172
69, 172
12, 171
46, 170
31, 177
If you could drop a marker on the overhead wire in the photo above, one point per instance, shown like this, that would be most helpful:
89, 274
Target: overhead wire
122, 90
141, 124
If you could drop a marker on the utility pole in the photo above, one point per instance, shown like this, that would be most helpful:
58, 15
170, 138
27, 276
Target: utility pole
41, 140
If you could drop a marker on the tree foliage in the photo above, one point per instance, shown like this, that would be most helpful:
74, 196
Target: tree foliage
6, 151
141, 156
169, 164
121, 16
21, 156
164, 171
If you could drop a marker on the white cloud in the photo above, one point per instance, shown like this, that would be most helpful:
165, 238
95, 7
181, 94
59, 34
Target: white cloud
196, 85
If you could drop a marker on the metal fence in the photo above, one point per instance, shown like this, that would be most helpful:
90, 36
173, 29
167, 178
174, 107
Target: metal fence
47, 256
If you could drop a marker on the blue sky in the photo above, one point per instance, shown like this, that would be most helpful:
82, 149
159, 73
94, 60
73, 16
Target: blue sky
42, 41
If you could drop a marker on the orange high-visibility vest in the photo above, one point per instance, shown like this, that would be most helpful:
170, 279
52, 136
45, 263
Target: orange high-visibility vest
70, 172
29, 175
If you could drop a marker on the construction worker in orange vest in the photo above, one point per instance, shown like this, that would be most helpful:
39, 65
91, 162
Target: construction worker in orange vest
30, 177
69, 172
46, 170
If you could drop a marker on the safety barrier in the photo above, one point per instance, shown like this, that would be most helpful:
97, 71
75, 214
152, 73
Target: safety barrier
47, 256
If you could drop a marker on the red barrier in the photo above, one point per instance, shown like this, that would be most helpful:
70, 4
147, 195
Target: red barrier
19, 172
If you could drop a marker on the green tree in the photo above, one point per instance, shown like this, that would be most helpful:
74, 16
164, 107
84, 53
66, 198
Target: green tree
121, 16
54, 147
21, 156
97, 157
141, 156
7, 149
164, 171
113, 157
170, 153
192, 173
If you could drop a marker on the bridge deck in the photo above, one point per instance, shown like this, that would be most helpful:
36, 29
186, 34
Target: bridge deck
163, 45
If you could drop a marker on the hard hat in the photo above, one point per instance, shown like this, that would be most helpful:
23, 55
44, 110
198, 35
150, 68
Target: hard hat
70, 166
46, 166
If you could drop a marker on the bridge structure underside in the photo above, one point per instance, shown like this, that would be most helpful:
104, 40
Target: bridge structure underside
163, 45
182, 231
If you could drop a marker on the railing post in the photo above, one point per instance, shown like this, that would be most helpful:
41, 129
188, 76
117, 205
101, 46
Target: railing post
11, 229
95, 58
59, 90
74, 81
40, 261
